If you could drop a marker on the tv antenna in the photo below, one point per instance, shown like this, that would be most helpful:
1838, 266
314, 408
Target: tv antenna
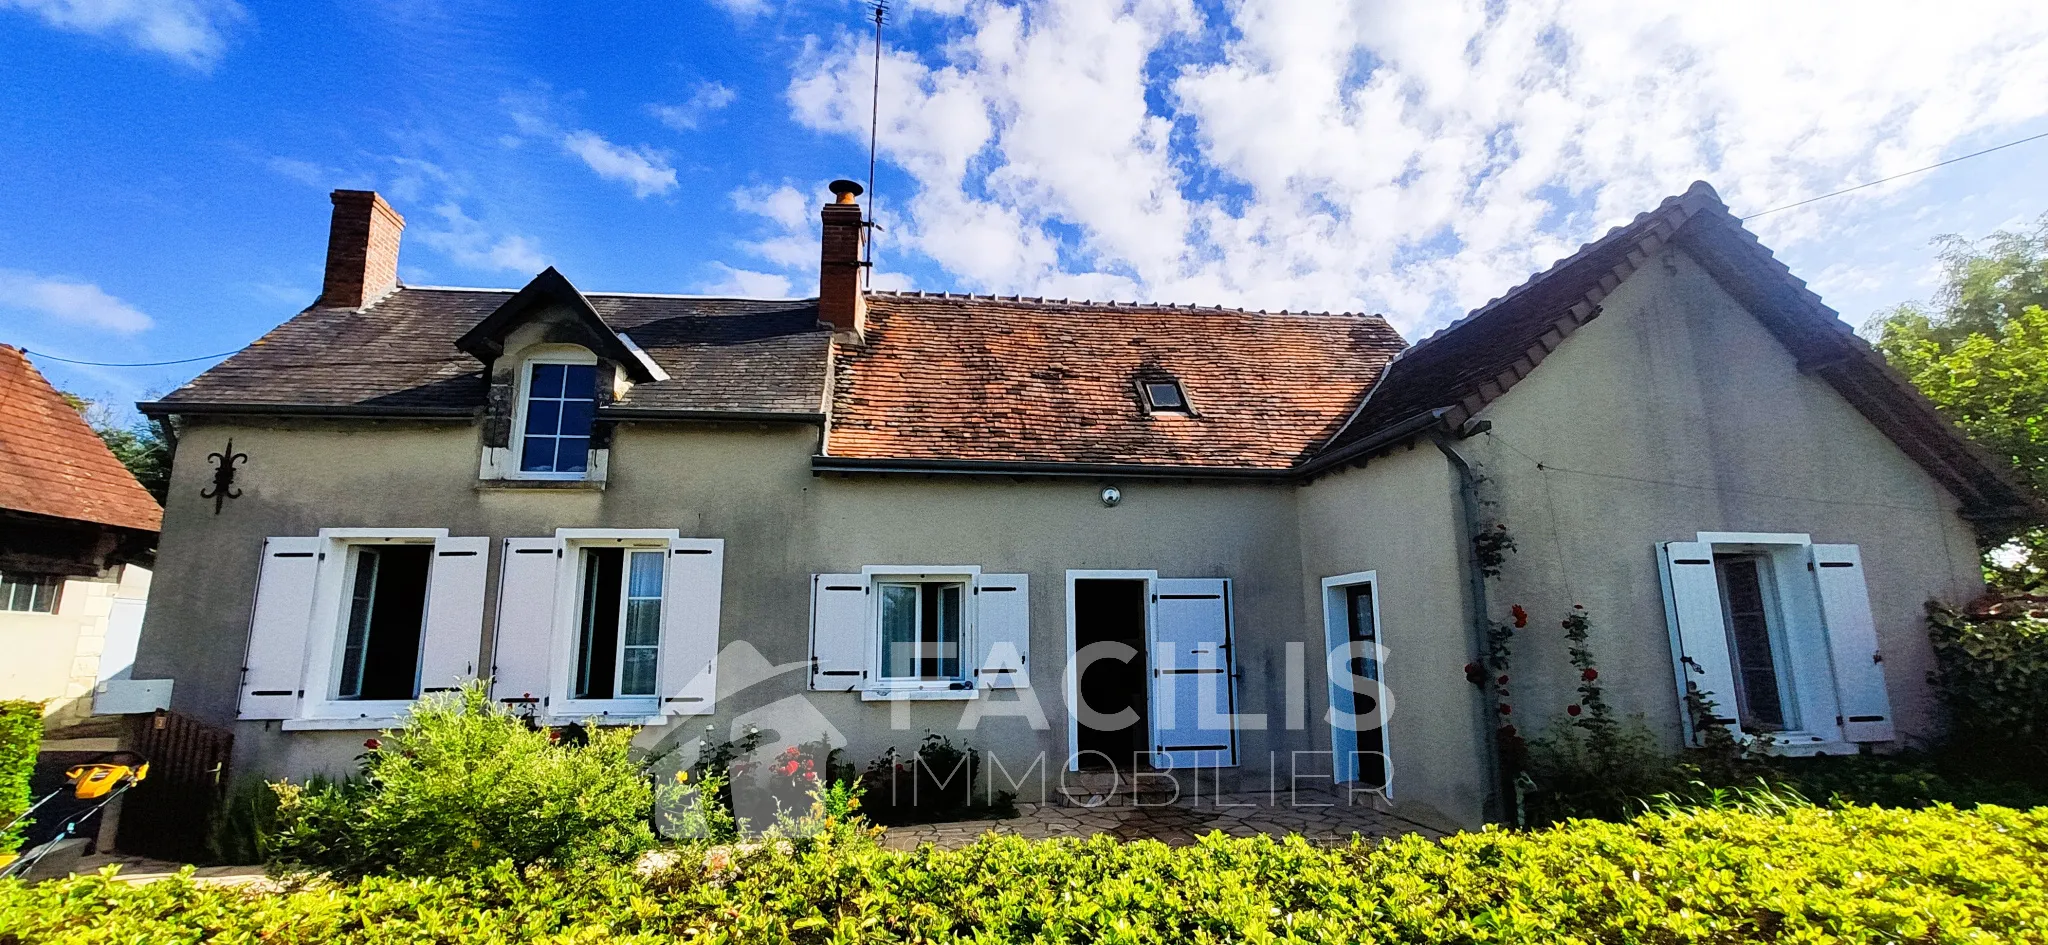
879, 12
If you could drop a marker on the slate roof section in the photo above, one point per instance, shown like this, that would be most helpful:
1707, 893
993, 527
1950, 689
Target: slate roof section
54, 465
399, 357
1023, 381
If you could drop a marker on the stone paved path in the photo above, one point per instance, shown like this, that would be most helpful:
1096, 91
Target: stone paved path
1324, 817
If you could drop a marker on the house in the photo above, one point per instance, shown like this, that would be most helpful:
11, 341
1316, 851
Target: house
76, 534
1261, 548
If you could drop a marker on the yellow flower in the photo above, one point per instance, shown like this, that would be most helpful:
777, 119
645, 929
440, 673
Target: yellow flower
682, 777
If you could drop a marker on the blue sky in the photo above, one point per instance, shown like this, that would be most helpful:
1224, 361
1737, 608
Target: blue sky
166, 162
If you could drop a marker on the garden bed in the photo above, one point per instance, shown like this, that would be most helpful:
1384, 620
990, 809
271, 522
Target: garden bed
1790, 872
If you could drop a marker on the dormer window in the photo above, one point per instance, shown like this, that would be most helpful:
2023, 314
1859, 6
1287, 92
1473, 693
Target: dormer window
557, 410
1163, 395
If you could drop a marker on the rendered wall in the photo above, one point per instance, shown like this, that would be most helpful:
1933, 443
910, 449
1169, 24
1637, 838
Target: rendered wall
1676, 412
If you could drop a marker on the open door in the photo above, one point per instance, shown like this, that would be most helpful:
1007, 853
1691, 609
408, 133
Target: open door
1194, 681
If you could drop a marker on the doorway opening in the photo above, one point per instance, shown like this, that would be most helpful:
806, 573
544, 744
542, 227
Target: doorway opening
1113, 691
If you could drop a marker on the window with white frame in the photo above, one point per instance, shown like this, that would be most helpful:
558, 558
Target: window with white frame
557, 412
29, 593
1773, 636
615, 624
349, 626
923, 632
384, 621
618, 641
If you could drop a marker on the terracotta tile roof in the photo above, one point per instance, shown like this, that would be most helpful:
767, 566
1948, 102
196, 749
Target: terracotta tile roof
51, 463
1035, 381
721, 355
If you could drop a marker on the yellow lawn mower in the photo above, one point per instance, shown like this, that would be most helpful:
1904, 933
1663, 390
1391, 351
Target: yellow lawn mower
99, 781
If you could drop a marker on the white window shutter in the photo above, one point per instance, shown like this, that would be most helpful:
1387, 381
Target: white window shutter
1003, 603
526, 619
1193, 687
274, 668
1699, 636
453, 635
839, 632
1852, 644
689, 626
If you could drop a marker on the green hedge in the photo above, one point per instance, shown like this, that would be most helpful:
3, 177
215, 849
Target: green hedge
21, 737
1797, 873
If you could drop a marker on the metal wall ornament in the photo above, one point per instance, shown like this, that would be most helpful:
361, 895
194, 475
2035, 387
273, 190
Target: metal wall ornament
223, 488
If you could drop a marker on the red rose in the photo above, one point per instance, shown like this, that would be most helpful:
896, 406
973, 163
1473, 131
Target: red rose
1572, 709
372, 744
1505, 709
1503, 679
1590, 674
1521, 617
1578, 607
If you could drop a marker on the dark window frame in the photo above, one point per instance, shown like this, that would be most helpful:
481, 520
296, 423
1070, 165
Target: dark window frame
16, 587
1151, 405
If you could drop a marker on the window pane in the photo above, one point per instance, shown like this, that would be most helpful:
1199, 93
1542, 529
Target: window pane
43, 596
1756, 685
576, 417
579, 381
547, 380
646, 574
636, 677
944, 652
356, 642
572, 454
899, 630
542, 416
538, 454
643, 622
1164, 395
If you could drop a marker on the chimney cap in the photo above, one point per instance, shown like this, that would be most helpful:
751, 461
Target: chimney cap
845, 189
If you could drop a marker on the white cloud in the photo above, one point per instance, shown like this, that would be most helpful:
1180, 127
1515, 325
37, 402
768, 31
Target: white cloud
646, 171
468, 243
707, 98
70, 302
189, 31
1417, 159
746, 283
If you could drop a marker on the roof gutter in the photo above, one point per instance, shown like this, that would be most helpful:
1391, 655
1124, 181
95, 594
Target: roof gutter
709, 416
159, 408
821, 465
1388, 436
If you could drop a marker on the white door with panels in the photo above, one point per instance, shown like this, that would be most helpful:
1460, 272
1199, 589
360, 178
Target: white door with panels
1194, 683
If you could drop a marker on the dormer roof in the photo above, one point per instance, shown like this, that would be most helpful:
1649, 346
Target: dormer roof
550, 291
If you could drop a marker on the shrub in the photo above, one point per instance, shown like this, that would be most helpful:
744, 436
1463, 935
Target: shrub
1764, 871
937, 783
21, 738
463, 785
1992, 675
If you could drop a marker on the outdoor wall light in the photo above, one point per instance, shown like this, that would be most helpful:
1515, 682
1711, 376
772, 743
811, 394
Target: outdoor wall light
1111, 495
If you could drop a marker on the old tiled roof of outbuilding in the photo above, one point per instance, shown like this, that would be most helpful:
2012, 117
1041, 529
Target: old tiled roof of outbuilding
399, 356
52, 464
1455, 373
1008, 380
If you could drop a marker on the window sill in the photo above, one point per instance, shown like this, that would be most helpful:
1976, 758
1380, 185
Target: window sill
606, 721
1803, 745
886, 694
340, 725
558, 485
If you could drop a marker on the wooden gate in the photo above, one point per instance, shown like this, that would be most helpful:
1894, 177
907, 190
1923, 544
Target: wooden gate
168, 815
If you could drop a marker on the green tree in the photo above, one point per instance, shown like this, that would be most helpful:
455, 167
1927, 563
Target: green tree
1979, 350
139, 446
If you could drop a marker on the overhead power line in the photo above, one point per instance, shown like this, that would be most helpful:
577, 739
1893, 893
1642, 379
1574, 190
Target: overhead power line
52, 357
1894, 177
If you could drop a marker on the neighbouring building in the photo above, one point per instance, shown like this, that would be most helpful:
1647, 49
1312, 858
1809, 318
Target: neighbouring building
872, 514
76, 535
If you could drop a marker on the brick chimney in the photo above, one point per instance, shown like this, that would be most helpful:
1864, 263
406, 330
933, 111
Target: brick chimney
842, 303
362, 250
